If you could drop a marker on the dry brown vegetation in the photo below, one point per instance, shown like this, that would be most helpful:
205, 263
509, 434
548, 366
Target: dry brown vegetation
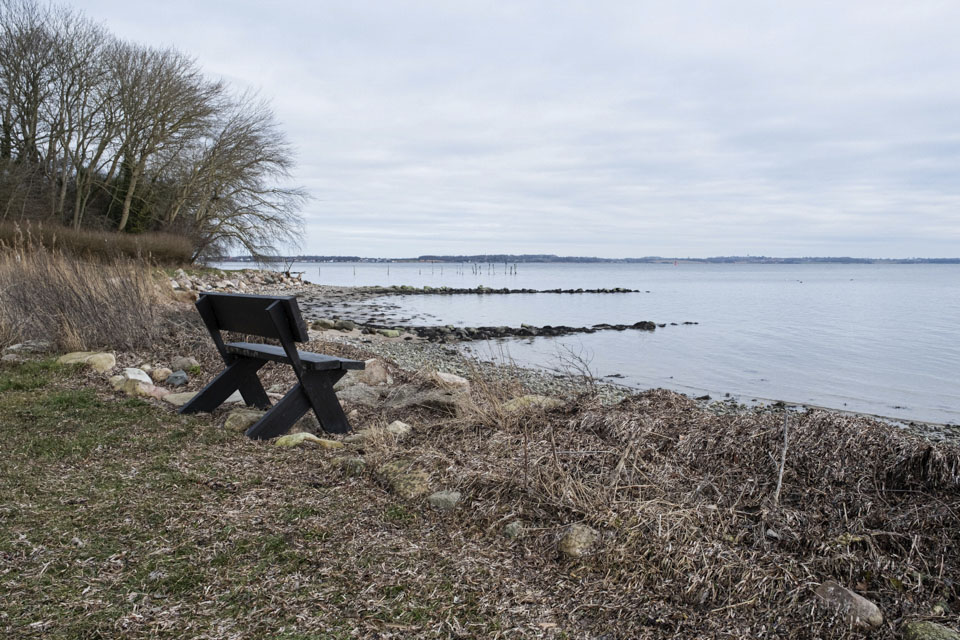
101, 246
140, 523
77, 304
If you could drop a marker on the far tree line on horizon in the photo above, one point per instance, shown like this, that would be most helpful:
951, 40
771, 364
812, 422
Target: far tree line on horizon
101, 133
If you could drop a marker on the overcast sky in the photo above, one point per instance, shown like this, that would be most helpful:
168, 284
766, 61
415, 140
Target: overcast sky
599, 128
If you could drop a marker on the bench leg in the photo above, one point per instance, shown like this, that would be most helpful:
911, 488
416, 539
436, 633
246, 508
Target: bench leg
319, 388
241, 374
316, 392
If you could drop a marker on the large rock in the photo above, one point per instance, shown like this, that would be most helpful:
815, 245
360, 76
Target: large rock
925, 630
855, 609
345, 325
102, 362
298, 439
527, 402
389, 333
577, 540
184, 363
242, 419
76, 357
99, 361
361, 394
179, 399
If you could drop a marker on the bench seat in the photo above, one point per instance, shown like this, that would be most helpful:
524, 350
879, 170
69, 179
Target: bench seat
311, 361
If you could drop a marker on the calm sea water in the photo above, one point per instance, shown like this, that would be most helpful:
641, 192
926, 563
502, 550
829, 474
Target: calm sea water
879, 339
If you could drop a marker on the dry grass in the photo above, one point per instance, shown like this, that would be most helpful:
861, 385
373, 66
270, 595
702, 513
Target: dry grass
76, 304
693, 542
105, 246
201, 533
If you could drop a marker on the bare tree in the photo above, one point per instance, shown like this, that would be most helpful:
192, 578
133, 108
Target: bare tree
163, 96
234, 191
137, 133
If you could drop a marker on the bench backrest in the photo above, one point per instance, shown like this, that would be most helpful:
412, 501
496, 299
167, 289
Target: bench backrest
248, 314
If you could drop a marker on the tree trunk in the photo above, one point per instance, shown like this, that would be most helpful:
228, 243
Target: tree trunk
128, 199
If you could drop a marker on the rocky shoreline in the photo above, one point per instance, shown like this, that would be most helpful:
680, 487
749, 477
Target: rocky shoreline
433, 346
330, 307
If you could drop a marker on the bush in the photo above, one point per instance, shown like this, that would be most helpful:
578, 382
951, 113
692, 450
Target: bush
77, 304
155, 247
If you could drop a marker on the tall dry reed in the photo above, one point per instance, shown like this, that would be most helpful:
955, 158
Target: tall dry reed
74, 303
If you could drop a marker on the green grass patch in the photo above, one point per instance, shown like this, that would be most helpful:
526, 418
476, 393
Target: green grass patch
28, 376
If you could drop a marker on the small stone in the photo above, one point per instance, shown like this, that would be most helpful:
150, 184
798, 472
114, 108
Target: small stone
374, 373
389, 333
102, 362
322, 324
513, 530
297, 439
345, 325
131, 373
351, 465
12, 357
76, 357
179, 399
398, 428
28, 346
924, 630
117, 382
856, 610
577, 540
235, 398
184, 363
134, 387
451, 380
444, 500
532, 402
242, 419
403, 480
145, 367
307, 424
177, 378
161, 374
277, 388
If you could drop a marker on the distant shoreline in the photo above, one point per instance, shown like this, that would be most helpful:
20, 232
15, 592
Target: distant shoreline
552, 259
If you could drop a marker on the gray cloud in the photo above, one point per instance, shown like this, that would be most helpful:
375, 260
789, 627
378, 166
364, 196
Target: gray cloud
606, 128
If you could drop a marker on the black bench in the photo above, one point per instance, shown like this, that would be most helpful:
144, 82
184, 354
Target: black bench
276, 318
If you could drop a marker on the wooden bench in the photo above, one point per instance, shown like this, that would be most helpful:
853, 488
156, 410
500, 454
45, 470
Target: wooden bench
275, 318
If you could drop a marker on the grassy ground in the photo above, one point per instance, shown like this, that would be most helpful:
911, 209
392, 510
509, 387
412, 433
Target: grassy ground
120, 518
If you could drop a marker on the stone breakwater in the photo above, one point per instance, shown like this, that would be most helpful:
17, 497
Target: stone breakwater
450, 333
480, 290
331, 307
